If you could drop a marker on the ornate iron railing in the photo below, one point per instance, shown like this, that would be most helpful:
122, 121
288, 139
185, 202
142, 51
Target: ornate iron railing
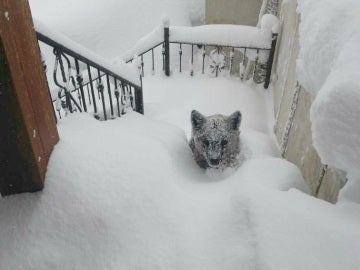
243, 61
272, 7
85, 84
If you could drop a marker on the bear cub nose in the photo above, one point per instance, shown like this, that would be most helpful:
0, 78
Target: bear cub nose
215, 161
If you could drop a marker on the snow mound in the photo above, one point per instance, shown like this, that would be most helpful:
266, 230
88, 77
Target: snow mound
127, 194
328, 68
122, 190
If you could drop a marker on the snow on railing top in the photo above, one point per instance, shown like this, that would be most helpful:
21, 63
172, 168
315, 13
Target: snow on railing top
219, 35
120, 69
228, 35
146, 43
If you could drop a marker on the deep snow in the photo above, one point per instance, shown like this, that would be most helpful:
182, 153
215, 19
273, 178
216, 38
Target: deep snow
328, 68
127, 194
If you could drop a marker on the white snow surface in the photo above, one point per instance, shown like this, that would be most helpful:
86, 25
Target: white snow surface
220, 34
127, 194
328, 68
150, 40
111, 27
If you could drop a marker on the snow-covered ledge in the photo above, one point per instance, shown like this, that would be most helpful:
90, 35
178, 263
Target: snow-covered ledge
328, 67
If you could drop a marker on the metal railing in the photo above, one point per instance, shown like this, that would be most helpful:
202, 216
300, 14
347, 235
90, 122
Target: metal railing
84, 85
272, 7
243, 61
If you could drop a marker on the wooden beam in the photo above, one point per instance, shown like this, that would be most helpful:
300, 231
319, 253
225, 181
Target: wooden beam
27, 124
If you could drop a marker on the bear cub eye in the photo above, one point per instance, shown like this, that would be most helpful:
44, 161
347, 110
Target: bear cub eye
224, 142
206, 142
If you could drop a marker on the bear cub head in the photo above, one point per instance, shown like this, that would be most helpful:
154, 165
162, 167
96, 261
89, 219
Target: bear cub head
215, 140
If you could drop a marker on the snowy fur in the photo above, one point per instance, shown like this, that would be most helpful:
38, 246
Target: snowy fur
215, 140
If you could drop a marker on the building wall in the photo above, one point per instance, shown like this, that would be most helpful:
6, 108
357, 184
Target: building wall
292, 108
244, 12
291, 101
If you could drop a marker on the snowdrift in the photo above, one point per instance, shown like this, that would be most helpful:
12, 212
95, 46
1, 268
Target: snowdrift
328, 68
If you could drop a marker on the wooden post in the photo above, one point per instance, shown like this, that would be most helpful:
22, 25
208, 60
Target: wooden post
27, 124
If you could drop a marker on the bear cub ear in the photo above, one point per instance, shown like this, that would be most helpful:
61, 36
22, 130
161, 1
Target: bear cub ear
197, 120
235, 120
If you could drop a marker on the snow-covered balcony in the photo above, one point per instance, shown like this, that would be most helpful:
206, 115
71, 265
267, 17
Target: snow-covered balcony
127, 194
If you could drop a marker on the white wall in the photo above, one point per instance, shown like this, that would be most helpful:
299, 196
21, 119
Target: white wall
244, 12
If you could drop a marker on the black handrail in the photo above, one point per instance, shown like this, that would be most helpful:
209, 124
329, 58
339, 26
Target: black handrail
144, 52
260, 68
81, 58
129, 96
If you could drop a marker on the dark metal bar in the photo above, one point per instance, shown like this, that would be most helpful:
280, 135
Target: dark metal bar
80, 80
117, 95
75, 102
81, 58
100, 87
109, 93
157, 45
87, 87
217, 45
232, 55
123, 97
192, 60
153, 62
203, 60
132, 99
142, 65
270, 61
163, 55
167, 51
192, 54
99, 78
59, 55
139, 103
79, 98
243, 65
180, 54
217, 65
256, 62
92, 89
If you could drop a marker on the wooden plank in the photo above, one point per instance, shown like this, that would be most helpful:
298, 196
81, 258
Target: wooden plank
33, 123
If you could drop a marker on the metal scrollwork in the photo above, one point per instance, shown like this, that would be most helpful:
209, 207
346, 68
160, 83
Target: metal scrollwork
216, 61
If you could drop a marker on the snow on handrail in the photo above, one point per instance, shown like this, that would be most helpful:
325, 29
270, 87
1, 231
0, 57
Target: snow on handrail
238, 36
145, 44
120, 70
221, 35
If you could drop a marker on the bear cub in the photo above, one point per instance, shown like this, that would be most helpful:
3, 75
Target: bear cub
215, 140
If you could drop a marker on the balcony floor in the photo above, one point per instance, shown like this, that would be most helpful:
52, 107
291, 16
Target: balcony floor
127, 194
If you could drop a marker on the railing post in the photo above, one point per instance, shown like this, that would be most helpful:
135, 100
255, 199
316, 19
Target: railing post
271, 60
139, 102
166, 23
